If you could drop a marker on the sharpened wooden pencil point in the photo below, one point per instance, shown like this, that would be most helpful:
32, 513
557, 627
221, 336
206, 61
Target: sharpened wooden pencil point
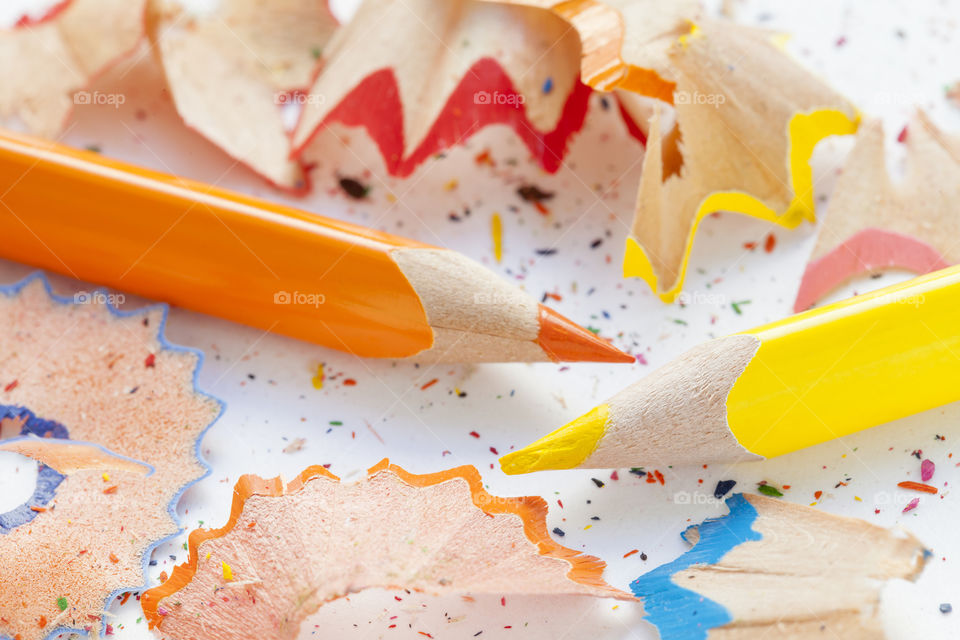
806, 379
565, 341
270, 266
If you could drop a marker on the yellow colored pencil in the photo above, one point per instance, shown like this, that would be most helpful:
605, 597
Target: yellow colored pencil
809, 378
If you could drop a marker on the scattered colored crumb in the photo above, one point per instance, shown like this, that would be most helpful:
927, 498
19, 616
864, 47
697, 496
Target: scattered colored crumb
318, 377
917, 486
354, 188
723, 488
496, 229
770, 490
484, 158
736, 306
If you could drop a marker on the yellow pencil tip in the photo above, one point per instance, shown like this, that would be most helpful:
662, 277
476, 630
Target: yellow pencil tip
566, 448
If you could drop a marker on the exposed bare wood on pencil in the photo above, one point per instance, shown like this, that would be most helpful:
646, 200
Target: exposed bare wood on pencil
452, 345
458, 293
677, 414
477, 316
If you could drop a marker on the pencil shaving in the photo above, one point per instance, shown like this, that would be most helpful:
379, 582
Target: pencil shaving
78, 370
47, 65
772, 567
624, 43
424, 76
437, 533
739, 137
875, 223
748, 119
232, 71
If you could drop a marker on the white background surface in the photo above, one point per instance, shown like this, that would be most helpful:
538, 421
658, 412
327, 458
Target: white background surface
893, 55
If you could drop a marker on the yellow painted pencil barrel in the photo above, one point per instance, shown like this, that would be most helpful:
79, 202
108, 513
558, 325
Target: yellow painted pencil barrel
803, 380
858, 363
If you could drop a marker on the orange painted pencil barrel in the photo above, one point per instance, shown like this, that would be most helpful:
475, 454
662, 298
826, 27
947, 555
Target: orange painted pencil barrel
207, 249
210, 250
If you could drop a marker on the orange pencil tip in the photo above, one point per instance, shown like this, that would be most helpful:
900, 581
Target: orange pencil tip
566, 341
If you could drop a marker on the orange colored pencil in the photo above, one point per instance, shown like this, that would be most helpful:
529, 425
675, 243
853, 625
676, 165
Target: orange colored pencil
266, 265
